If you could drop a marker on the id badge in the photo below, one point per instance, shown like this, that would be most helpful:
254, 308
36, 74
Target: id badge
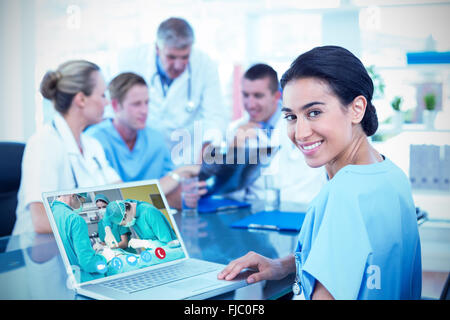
297, 287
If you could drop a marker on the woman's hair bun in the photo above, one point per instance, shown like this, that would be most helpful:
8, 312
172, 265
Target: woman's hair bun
71, 77
49, 84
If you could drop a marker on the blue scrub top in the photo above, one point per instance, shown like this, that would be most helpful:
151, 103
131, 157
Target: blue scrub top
74, 234
151, 224
149, 159
360, 236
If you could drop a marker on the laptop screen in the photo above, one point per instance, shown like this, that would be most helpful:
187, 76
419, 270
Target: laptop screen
112, 230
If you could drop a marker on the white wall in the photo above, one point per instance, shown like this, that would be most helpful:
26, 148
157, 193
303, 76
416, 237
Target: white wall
17, 70
35, 37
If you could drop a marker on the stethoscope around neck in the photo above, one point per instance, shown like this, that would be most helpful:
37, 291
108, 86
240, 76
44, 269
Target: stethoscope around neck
190, 105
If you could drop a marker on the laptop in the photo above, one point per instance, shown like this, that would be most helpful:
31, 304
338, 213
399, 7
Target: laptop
235, 168
163, 272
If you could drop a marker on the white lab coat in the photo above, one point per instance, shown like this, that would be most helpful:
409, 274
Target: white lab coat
297, 181
46, 167
170, 114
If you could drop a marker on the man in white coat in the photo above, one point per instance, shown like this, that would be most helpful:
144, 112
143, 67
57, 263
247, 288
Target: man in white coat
263, 120
185, 94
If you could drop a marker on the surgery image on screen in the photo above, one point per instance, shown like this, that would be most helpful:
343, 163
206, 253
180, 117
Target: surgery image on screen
107, 232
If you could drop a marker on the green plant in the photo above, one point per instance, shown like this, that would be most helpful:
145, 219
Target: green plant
378, 82
396, 102
430, 101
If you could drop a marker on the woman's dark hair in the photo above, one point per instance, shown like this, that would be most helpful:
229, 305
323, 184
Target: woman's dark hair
343, 72
261, 71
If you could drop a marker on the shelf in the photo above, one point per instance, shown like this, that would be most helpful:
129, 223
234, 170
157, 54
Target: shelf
407, 127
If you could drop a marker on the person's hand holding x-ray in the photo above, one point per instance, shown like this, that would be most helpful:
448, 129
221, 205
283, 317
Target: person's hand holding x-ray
110, 240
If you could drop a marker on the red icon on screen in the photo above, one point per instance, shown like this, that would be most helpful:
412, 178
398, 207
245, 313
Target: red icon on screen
160, 253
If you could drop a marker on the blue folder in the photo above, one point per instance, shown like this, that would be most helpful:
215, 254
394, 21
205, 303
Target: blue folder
272, 220
214, 204
11, 260
428, 57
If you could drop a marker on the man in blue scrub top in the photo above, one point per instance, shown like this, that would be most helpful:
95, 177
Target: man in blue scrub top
149, 223
136, 151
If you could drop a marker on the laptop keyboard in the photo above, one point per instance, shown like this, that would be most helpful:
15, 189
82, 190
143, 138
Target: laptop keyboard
158, 277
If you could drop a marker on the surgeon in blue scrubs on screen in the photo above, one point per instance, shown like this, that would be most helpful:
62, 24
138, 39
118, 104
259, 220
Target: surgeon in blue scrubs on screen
121, 234
151, 226
360, 237
74, 234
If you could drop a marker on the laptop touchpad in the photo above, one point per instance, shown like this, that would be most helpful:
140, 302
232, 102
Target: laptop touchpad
195, 284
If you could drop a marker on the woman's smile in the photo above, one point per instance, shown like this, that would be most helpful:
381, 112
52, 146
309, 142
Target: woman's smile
310, 148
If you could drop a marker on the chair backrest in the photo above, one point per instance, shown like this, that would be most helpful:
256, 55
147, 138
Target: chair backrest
445, 294
422, 216
11, 154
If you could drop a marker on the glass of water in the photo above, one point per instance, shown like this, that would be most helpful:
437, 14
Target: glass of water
189, 196
271, 194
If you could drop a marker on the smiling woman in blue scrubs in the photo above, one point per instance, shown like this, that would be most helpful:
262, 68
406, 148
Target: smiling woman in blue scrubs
360, 237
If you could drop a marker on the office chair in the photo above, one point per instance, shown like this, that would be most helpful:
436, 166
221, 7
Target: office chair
445, 294
422, 216
10, 173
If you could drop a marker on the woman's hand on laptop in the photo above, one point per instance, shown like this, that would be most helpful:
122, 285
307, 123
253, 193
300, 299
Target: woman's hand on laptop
265, 268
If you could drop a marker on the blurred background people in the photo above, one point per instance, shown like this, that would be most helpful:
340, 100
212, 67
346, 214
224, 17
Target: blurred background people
60, 156
264, 124
134, 149
185, 91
